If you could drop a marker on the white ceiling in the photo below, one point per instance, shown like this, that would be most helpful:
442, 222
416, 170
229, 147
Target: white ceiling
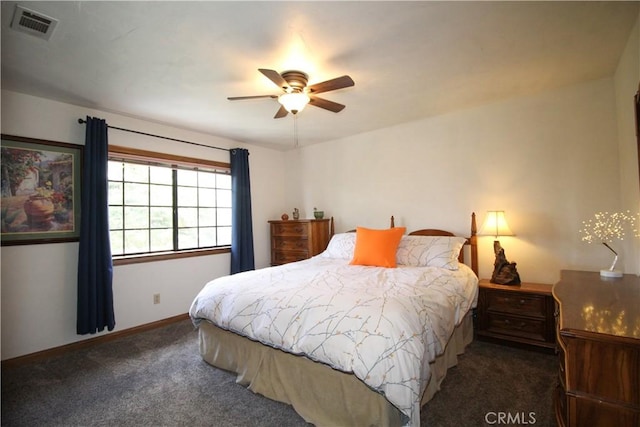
177, 62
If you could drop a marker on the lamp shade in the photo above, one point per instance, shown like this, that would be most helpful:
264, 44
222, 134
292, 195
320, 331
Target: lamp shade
294, 102
495, 224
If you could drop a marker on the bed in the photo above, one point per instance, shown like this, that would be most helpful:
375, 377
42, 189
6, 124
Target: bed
345, 344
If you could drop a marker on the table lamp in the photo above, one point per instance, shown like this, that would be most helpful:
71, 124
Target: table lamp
504, 272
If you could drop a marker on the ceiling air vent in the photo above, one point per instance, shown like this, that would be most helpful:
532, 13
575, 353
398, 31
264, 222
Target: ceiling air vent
34, 23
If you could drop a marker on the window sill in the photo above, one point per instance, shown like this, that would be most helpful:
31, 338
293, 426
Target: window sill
137, 259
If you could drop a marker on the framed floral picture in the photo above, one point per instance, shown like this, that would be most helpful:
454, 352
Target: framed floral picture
40, 191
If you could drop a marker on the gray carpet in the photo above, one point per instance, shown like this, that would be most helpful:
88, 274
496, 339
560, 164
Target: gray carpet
157, 378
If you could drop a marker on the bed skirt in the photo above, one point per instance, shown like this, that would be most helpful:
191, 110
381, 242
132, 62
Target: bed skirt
321, 395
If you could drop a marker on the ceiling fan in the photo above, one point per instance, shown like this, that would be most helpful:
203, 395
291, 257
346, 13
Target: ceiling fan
296, 94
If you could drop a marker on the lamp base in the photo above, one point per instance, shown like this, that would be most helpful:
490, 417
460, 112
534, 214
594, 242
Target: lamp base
609, 273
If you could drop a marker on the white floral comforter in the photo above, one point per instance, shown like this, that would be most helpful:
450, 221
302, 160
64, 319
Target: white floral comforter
384, 325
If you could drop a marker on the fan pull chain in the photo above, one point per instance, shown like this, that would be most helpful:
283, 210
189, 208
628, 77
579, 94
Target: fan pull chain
295, 130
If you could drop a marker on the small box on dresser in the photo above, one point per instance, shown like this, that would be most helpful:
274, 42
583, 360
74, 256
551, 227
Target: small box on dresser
296, 240
598, 331
516, 314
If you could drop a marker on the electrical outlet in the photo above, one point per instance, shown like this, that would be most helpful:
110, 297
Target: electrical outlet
156, 298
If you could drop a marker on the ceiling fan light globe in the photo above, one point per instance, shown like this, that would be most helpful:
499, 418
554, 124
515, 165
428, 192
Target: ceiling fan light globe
294, 102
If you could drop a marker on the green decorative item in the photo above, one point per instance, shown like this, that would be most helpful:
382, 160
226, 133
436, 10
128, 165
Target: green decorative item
318, 214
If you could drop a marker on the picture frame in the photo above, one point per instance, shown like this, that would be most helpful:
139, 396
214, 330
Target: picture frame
40, 191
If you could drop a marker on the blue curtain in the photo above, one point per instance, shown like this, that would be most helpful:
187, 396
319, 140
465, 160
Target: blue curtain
95, 269
241, 229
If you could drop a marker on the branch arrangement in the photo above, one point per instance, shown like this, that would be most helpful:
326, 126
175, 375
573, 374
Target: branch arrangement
606, 227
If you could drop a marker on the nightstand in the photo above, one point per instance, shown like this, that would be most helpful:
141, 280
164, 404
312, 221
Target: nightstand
516, 314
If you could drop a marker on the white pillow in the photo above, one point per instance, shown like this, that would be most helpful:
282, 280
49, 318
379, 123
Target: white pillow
430, 251
341, 246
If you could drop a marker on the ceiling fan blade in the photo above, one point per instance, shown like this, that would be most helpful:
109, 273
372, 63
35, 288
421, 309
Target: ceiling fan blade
333, 84
327, 105
236, 98
275, 77
282, 112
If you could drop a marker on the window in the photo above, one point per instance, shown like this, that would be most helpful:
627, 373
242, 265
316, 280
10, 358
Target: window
161, 204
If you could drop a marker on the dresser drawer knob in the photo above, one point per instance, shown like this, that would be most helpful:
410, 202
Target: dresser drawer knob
522, 302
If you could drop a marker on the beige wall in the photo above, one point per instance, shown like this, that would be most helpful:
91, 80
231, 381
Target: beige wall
550, 161
39, 281
626, 84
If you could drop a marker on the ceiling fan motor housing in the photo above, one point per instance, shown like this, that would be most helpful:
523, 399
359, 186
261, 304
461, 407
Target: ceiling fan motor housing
297, 80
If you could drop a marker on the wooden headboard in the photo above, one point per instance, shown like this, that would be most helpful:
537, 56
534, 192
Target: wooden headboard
472, 240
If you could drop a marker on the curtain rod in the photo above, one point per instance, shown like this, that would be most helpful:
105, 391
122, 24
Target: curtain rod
81, 121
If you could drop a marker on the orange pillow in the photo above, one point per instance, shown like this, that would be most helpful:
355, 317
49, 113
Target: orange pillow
377, 247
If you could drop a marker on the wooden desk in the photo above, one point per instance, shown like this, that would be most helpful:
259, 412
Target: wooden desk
598, 334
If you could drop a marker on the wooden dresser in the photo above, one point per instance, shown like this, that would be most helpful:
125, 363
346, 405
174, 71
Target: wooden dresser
295, 240
516, 314
598, 332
